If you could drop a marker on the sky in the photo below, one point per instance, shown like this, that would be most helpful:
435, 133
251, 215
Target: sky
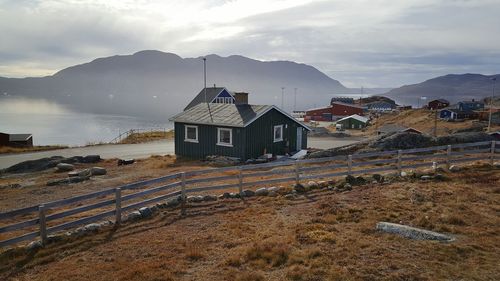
369, 43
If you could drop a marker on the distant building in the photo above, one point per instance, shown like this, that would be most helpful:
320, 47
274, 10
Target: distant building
237, 130
342, 99
380, 106
470, 105
353, 122
213, 95
333, 112
396, 128
17, 140
404, 107
438, 104
456, 114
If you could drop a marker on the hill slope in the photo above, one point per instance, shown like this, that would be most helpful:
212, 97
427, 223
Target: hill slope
158, 83
454, 87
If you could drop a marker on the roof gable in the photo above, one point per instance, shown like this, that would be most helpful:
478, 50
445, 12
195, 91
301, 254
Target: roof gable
19, 137
356, 117
211, 93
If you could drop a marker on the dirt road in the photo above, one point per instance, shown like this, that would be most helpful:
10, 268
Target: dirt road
141, 150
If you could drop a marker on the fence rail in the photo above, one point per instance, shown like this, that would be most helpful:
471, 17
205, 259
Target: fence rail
176, 184
126, 134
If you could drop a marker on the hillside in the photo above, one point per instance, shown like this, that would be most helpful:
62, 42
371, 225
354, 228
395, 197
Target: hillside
454, 87
157, 83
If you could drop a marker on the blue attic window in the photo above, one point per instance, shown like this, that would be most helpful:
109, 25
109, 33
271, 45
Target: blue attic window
224, 97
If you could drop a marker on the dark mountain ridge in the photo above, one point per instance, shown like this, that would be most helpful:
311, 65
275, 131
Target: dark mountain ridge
155, 83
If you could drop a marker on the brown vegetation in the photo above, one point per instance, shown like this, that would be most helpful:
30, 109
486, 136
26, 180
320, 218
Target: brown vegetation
9, 149
324, 235
148, 136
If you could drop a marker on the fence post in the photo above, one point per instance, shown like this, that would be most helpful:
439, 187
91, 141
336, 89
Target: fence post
448, 157
492, 154
297, 172
399, 163
118, 205
349, 164
240, 182
43, 225
183, 194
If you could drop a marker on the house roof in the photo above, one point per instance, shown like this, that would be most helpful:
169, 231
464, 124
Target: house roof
471, 102
19, 137
346, 104
440, 100
355, 116
200, 98
230, 115
394, 128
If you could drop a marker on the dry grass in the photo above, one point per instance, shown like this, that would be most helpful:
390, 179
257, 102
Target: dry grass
324, 235
9, 149
148, 136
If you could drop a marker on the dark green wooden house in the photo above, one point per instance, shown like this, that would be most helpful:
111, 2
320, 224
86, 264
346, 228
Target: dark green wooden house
237, 130
353, 122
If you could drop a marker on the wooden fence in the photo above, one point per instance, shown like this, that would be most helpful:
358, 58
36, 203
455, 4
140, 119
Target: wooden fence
122, 199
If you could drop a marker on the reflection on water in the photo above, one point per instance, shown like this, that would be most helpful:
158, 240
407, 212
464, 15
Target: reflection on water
51, 123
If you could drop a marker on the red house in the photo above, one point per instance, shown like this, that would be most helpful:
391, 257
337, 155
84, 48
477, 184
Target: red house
333, 112
438, 104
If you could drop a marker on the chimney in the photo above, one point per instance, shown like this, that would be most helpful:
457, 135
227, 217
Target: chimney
241, 98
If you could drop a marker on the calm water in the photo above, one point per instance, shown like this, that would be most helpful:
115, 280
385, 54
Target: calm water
51, 123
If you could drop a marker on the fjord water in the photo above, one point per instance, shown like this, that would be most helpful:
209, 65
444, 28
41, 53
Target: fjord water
52, 123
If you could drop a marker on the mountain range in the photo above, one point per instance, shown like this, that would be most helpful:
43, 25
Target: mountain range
154, 83
158, 84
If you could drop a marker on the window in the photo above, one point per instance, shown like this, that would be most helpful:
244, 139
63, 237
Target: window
190, 133
224, 137
278, 133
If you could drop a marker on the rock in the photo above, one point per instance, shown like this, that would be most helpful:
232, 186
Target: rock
299, 188
34, 245
92, 227
234, 195
440, 177
262, 191
58, 182
412, 232
272, 194
35, 165
274, 189
91, 159
455, 168
378, 177
63, 167
347, 186
209, 198
145, 212
154, 209
54, 238
133, 216
425, 177
404, 174
290, 196
226, 195
97, 171
248, 193
125, 161
173, 202
312, 185
322, 184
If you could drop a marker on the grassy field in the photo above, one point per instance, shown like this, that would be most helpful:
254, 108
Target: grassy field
9, 149
148, 136
323, 235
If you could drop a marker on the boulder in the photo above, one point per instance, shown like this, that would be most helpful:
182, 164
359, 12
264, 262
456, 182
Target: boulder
262, 191
412, 232
133, 216
274, 189
378, 177
91, 159
272, 194
35, 165
248, 193
322, 184
226, 195
404, 174
145, 212
209, 198
125, 161
355, 180
34, 245
425, 177
299, 188
290, 196
312, 185
455, 168
63, 167
174, 202
97, 171
347, 186
92, 227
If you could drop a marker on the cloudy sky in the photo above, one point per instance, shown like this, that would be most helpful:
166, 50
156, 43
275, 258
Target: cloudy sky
371, 43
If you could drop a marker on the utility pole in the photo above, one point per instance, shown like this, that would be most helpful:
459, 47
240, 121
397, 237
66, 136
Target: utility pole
205, 77
295, 99
491, 103
435, 122
283, 98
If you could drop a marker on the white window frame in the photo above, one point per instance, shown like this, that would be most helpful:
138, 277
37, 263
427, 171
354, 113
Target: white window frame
186, 133
230, 144
274, 133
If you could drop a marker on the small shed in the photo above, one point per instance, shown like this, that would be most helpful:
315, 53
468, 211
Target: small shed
20, 140
4, 139
456, 114
396, 128
353, 122
438, 104
237, 130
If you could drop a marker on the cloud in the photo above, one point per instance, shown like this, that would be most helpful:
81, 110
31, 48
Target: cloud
359, 42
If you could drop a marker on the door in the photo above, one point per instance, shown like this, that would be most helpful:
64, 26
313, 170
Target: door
299, 139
